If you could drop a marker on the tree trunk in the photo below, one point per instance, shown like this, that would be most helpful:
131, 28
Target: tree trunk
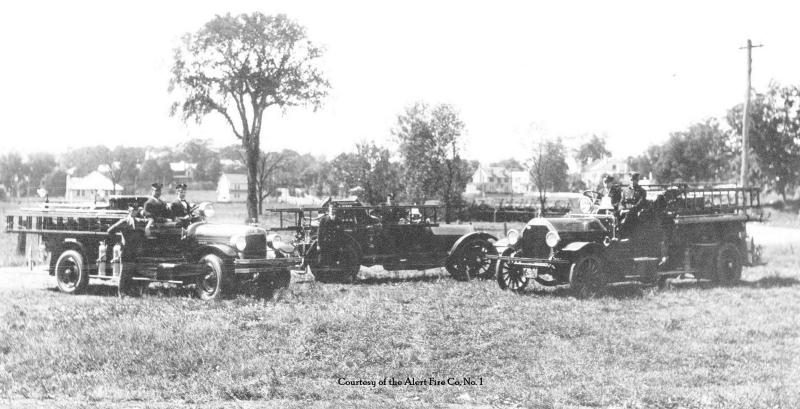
251, 150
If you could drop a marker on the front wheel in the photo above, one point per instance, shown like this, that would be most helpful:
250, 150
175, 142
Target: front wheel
469, 260
71, 274
213, 282
509, 275
587, 276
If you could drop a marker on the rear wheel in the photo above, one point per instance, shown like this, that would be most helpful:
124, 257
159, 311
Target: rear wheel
587, 276
70, 272
509, 275
213, 282
729, 265
469, 260
341, 266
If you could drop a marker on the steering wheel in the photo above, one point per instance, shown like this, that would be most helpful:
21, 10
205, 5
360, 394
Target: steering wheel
592, 194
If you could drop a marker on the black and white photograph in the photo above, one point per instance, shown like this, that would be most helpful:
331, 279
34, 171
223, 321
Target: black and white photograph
420, 204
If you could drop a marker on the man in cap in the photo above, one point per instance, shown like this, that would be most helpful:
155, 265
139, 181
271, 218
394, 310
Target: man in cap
635, 200
329, 237
613, 192
155, 208
664, 207
180, 208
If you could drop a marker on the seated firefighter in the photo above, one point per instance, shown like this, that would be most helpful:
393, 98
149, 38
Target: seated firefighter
181, 209
612, 193
635, 201
156, 211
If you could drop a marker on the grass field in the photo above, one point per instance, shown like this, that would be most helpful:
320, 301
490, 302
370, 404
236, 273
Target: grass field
698, 346
690, 346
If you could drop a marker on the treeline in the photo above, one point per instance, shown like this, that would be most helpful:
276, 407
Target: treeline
710, 151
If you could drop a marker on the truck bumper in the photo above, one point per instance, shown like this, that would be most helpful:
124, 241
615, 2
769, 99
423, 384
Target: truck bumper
528, 261
264, 265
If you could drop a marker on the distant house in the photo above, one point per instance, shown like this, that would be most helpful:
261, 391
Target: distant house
232, 187
182, 172
592, 173
497, 179
94, 186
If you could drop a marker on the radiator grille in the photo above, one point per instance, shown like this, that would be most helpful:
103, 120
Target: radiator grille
533, 242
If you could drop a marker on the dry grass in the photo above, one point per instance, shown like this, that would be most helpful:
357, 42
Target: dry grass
690, 347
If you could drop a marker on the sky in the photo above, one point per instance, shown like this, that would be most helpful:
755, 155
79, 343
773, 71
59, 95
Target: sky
83, 73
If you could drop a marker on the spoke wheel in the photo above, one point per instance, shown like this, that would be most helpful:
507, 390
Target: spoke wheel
509, 275
469, 260
212, 282
729, 265
586, 276
71, 274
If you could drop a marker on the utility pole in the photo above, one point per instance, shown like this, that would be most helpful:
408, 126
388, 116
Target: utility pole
746, 114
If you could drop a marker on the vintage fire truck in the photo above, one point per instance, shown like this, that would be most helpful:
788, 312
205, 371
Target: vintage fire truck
397, 237
687, 232
110, 242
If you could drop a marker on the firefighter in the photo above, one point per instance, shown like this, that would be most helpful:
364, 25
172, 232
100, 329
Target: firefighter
613, 192
329, 234
155, 208
635, 200
663, 207
181, 209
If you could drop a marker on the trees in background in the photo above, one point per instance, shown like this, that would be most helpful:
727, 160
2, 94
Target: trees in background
774, 137
592, 150
548, 168
701, 153
237, 67
430, 148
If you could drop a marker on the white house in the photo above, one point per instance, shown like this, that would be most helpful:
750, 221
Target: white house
232, 187
593, 173
94, 186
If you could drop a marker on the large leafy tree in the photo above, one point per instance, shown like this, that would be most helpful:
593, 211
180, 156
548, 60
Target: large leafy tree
12, 172
697, 154
592, 150
237, 67
549, 168
430, 146
370, 168
774, 137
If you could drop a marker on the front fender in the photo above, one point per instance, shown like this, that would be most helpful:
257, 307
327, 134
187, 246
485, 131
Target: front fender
577, 247
218, 249
467, 237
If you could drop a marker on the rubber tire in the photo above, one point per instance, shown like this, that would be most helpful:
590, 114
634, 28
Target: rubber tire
347, 274
217, 289
75, 258
587, 283
458, 264
515, 283
728, 266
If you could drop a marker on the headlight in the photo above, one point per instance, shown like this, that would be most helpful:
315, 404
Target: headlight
585, 205
512, 236
239, 242
552, 239
207, 210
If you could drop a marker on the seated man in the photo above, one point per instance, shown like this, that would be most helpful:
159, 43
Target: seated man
155, 210
614, 194
635, 200
181, 209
